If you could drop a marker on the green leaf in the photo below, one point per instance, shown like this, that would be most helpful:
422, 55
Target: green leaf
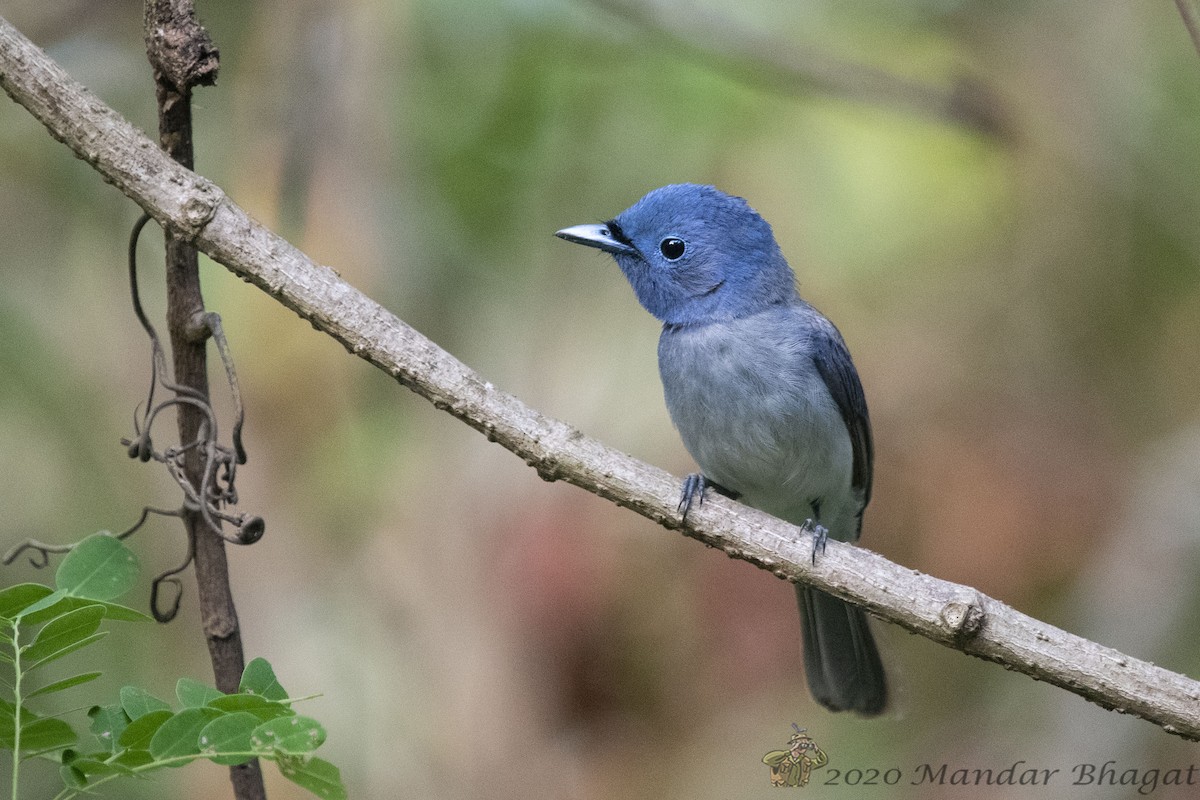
66, 683
260, 707
31, 610
65, 603
120, 613
315, 774
258, 678
46, 734
99, 568
64, 631
71, 648
108, 723
90, 766
180, 735
139, 733
294, 735
193, 694
229, 733
72, 777
94, 763
133, 758
138, 702
16, 599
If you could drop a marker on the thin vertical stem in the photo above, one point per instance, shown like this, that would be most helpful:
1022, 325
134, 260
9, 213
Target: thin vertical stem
183, 57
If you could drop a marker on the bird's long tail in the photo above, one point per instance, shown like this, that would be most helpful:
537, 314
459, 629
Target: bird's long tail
841, 661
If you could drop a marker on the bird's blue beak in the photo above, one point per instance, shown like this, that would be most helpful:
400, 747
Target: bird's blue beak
599, 236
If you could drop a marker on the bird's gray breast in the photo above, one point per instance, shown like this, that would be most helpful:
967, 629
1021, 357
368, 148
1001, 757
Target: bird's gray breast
756, 415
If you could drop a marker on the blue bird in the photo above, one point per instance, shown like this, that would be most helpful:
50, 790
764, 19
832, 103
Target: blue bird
763, 392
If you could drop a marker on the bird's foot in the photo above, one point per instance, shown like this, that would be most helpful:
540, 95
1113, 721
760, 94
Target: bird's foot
694, 486
820, 536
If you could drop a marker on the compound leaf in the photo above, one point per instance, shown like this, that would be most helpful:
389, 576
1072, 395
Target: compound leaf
180, 735
229, 733
258, 678
192, 693
139, 733
63, 632
66, 683
315, 774
294, 735
100, 567
138, 702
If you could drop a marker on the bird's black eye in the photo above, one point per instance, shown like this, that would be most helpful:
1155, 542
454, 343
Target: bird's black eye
672, 248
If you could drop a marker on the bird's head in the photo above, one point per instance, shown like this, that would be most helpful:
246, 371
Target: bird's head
694, 254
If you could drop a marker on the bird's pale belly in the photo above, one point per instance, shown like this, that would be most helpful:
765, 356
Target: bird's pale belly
771, 434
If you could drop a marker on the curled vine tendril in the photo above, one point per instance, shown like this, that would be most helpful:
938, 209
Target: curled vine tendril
39, 556
219, 462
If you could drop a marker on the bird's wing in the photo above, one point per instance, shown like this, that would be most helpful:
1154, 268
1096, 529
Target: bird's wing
832, 359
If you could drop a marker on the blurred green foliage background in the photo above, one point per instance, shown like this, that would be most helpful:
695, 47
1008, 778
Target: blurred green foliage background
1024, 310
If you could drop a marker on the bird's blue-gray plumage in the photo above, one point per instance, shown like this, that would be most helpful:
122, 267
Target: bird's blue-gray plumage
763, 392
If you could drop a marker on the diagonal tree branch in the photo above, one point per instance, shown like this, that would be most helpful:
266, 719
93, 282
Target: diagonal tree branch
956, 616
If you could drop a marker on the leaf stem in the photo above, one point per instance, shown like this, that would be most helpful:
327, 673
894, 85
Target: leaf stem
173, 761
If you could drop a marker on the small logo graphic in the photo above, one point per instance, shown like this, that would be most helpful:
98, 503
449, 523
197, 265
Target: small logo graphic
794, 766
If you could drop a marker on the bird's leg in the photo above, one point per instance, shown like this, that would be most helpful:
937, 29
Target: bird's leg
694, 486
820, 536
820, 532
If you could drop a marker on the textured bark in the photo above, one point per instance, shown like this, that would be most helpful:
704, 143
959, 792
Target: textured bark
956, 616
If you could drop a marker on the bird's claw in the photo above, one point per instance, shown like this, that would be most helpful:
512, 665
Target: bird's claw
693, 490
694, 487
820, 536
